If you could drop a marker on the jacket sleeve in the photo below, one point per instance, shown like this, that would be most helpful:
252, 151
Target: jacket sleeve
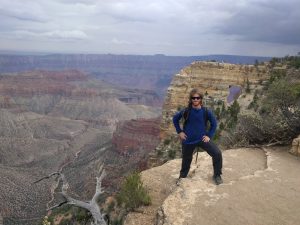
213, 124
176, 119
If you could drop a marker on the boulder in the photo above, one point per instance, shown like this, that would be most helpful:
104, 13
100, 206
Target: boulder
295, 150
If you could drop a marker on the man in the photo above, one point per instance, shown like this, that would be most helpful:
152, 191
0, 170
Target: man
194, 134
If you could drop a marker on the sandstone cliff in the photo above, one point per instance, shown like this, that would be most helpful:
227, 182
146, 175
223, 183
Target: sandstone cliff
210, 77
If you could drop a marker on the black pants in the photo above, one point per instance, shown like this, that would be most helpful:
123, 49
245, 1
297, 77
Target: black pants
210, 148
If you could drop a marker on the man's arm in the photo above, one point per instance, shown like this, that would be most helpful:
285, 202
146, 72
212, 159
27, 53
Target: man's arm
213, 124
176, 119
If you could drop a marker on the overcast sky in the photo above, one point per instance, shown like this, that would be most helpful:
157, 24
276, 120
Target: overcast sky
171, 27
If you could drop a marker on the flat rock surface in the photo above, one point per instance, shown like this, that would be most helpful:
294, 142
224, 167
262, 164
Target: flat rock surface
261, 187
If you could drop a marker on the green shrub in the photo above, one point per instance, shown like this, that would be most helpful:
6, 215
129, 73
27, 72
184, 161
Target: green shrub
217, 135
248, 86
160, 153
118, 221
221, 126
167, 141
234, 110
171, 154
218, 113
133, 193
82, 215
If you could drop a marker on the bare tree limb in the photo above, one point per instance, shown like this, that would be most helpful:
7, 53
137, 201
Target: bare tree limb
58, 205
98, 190
92, 206
47, 177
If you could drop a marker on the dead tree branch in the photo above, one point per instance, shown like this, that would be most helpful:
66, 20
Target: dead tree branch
91, 206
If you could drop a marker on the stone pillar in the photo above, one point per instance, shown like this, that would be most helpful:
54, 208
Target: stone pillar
295, 150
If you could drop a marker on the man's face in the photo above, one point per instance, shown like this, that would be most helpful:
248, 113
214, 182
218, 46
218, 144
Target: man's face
196, 100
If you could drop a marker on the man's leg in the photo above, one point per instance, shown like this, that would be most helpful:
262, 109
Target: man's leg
187, 157
216, 155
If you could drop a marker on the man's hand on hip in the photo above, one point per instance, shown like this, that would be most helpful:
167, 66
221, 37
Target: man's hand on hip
182, 136
205, 138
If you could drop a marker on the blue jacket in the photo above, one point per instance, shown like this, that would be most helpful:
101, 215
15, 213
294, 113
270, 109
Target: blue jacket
195, 125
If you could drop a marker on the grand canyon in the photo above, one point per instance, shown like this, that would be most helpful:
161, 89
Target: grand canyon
72, 113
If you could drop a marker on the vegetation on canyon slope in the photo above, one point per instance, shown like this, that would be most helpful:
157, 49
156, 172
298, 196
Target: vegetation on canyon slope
266, 113
274, 113
132, 194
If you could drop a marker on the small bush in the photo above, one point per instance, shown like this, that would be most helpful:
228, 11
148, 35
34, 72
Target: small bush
133, 193
160, 153
171, 154
248, 86
167, 141
82, 215
117, 221
221, 126
46, 221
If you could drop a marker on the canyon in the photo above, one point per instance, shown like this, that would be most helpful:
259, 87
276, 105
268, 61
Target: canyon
64, 121
72, 113
152, 72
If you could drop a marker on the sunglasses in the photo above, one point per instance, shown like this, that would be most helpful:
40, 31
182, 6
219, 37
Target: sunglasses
196, 98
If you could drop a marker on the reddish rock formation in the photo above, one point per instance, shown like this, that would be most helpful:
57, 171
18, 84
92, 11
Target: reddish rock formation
68, 83
136, 137
43, 82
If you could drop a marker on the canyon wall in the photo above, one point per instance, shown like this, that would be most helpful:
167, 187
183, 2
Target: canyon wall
62, 121
152, 72
136, 136
211, 78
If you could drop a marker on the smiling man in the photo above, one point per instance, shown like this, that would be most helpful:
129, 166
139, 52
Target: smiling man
194, 134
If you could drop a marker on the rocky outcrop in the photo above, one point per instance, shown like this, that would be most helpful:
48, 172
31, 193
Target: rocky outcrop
295, 150
136, 136
213, 79
260, 187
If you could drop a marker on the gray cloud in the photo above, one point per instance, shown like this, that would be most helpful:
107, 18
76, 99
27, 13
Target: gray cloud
267, 21
56, 35
173, 27
20, 11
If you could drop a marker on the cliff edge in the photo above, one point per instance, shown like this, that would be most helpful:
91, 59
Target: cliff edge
261, 187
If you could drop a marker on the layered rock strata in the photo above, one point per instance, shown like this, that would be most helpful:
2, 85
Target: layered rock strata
136, 136
213, 79
61, 121
133, 71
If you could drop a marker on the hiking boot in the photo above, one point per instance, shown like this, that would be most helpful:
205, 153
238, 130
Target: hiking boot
178, 181
218, 179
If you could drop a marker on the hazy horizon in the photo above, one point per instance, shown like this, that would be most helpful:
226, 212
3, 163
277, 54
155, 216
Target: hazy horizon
12, 52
